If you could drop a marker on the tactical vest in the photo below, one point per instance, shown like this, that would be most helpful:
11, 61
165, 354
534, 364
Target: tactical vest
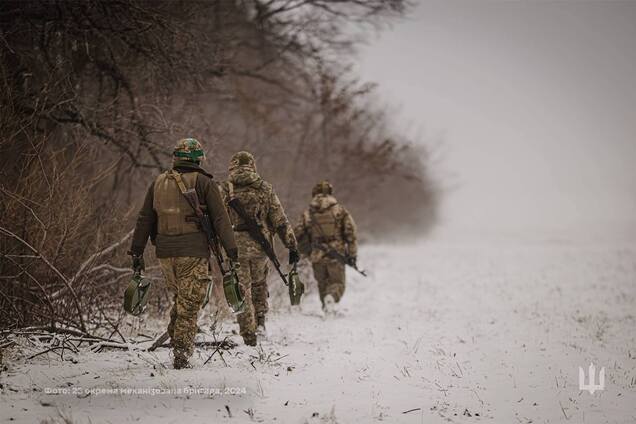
324, 225
171, 207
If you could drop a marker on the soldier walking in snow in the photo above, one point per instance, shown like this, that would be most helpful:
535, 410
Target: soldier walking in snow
181, 246
327, 234
254, 207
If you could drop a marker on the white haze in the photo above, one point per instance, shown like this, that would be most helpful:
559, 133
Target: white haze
536, 105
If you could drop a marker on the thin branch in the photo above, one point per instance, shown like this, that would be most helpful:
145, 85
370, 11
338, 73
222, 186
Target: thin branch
96, 255
54, 269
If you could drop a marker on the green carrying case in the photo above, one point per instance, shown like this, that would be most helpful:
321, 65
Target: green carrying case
136, 294
232, 291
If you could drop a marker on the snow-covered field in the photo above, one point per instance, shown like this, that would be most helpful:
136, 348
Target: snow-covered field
438, 333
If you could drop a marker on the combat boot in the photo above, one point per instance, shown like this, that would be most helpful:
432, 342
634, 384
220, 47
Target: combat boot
249, 339
261, 330
181, 362
329, 306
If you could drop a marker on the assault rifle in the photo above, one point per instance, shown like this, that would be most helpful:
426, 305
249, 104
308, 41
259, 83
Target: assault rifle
334, 254
231, 287
202, 219
254, 230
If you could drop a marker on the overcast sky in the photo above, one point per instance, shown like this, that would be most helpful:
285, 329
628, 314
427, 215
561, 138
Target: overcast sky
536, 102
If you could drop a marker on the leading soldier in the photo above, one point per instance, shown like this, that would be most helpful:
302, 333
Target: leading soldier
181, 245
327, 234
261, 204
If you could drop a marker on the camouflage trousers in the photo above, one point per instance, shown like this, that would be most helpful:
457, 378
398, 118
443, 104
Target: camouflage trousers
187, 278
330, 275
253, 280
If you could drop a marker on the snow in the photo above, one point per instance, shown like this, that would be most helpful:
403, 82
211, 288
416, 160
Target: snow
439, 332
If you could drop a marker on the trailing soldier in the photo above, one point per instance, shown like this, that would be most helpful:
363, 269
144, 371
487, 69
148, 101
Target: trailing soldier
327, 235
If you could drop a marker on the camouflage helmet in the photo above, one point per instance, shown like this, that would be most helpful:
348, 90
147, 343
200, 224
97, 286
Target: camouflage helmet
189, 149
242, 158
323, 187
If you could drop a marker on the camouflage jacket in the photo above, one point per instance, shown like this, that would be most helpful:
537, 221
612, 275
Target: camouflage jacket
260, 201
326, 224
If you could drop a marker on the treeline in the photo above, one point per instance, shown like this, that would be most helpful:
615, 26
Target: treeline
95, 93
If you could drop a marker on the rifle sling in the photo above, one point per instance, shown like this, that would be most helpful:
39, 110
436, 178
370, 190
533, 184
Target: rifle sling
182, 188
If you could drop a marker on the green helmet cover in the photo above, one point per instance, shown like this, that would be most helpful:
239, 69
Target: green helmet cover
189, 149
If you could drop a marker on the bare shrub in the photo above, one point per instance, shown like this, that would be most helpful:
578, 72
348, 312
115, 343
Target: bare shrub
94, 93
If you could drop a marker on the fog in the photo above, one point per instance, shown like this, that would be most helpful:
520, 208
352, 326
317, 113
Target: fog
535, 103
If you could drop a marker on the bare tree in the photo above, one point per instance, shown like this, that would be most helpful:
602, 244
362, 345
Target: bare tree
95, 92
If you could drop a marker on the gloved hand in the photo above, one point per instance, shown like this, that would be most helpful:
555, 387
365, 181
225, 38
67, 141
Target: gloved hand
235, 265
138, 264
351, 260
294, 256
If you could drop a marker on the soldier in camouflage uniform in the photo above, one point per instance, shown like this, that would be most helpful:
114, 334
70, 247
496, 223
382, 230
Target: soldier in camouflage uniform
327, 226
181, 246
261, 202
